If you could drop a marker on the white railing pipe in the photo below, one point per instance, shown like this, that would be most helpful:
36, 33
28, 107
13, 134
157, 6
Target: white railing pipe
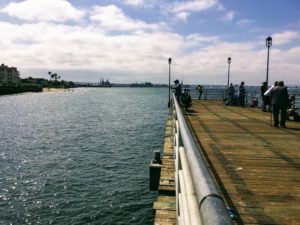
210, 203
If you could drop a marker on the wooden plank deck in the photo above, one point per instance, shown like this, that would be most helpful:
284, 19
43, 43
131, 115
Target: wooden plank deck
165, 206
256, 166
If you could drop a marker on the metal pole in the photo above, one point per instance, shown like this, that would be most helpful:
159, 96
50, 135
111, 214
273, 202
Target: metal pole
169, 102
268, 65
228, 74
169, 85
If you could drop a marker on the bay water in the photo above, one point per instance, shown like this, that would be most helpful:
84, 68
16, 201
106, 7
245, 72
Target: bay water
80, 156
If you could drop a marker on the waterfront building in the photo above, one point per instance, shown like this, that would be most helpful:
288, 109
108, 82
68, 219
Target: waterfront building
104, 83
9, 76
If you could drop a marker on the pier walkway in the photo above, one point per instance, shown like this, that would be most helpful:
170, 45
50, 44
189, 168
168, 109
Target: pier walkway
255, 165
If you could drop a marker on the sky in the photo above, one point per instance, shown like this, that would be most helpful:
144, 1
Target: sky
128, 41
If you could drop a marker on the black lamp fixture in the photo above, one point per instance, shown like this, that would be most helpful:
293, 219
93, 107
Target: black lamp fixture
269, 42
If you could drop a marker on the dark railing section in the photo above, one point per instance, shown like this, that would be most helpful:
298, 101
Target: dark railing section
251, 96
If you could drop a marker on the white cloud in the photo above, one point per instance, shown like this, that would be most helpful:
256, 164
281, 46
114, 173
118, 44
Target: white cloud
196, 5
285, 37
138, 55
42, 45
45, 10
199, 41
182, 16
134, 2
243, 22
89, 48
229, 16
112, 17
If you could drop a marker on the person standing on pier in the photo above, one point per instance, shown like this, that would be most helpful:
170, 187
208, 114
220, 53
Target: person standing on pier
268, 92
178, 91
231, 93
242, 94
265, 98
200, 90
279, 100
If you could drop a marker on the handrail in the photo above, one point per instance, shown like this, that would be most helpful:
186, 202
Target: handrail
210, 203
220, 94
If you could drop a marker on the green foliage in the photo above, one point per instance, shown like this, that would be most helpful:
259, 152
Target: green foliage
54, 82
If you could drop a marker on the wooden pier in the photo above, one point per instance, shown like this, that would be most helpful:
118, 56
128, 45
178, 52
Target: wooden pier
165, 206
255, 165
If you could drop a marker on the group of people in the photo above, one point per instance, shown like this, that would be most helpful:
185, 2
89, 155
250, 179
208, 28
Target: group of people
276, 96
183, 98
233, 99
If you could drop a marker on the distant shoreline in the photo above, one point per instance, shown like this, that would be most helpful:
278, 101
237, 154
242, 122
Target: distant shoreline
53, 89
27, 89
6, 90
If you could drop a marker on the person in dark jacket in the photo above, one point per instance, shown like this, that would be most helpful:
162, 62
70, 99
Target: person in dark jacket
242, 94
178, 91
279, 100
230, 93
265, 99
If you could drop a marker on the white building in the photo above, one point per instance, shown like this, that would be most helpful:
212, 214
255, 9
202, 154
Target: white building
9, 76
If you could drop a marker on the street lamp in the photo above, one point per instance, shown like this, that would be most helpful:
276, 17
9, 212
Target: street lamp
268, 44
229, 61
170, 61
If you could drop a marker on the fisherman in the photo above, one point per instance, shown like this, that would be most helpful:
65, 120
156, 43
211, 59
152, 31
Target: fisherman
178, 91
186, 99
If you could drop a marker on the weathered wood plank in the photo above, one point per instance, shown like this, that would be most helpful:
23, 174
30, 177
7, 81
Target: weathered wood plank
165, 206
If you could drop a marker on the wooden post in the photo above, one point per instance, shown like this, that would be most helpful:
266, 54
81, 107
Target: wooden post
155, 168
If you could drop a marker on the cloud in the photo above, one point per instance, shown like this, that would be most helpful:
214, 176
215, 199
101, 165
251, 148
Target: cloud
244, 22
285, 37
113, 18
134, 2
229, 16
182, 16
196, 5
141, 52
42, 45
45, 10
199, 41
139, 56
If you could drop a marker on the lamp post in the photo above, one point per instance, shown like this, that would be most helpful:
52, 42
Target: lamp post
229, 61
170, 61
268, 44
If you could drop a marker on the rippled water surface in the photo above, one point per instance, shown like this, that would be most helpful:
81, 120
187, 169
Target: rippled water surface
79, 157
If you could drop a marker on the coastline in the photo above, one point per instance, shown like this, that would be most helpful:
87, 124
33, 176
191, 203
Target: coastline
52, 89
6, 90
26, 89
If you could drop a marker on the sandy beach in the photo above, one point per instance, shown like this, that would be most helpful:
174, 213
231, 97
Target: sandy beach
54, 89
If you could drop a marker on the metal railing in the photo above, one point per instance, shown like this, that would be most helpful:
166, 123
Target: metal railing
211, 93
197, 198
220, 94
